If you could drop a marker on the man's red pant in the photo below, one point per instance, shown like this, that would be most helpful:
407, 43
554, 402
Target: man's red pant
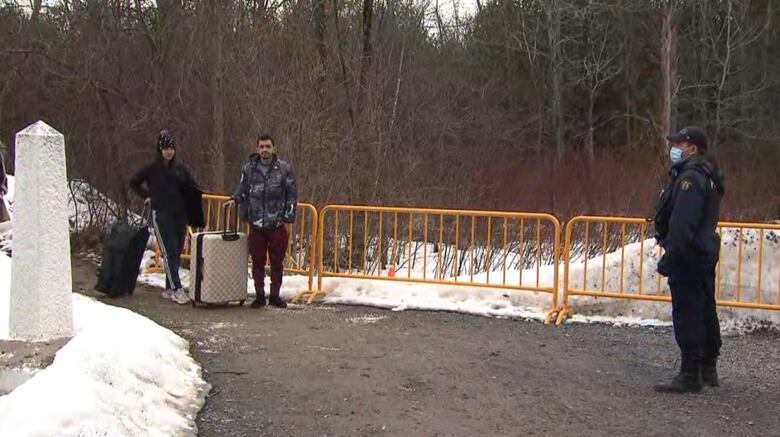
274, 243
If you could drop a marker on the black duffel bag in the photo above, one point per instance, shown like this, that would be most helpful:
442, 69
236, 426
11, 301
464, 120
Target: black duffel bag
123, 250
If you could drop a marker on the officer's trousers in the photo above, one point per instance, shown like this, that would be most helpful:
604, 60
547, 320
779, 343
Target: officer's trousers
694, 314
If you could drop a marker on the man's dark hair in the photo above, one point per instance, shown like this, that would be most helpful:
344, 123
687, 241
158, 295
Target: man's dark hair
265, 137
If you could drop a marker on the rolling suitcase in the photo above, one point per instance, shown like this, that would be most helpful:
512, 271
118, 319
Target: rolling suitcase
219, 266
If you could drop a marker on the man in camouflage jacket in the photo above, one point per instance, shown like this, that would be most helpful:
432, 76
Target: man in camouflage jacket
267, 199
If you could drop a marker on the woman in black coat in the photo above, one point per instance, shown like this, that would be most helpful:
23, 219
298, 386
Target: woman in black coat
169, 187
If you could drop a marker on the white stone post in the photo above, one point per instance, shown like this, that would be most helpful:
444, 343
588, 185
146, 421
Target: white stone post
41, 305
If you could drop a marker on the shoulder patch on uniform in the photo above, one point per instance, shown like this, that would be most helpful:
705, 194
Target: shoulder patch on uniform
685, 184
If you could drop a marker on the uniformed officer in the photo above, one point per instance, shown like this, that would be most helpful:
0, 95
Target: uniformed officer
685, 222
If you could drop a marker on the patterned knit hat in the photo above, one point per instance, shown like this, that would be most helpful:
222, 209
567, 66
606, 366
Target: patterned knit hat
165, 140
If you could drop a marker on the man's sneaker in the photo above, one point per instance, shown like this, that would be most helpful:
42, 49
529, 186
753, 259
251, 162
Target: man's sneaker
258, 302
167, 294
180, 297
277, 302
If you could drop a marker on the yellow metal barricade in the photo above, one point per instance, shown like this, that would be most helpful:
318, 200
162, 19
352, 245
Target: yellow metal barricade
617, 257
486, 249
301, 249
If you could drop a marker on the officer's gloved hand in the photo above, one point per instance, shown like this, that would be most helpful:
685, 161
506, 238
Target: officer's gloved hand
664, 266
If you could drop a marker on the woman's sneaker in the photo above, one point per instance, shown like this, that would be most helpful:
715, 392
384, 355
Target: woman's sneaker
167, 294
180, 297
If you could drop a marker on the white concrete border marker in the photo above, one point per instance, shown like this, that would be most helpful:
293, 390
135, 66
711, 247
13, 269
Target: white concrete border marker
41, 305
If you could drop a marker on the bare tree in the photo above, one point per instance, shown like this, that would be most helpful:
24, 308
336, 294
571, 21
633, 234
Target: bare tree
730, 32
368, 51
601, 61
553, 10
398, 103
668, 70
217, 145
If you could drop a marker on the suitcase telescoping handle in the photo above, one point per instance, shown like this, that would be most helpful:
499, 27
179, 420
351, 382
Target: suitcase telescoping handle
227, 233
146, 214
145, 218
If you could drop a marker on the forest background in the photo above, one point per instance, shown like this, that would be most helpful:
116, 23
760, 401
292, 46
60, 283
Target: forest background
558, 106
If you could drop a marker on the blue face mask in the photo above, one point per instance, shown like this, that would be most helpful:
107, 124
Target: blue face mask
675, 154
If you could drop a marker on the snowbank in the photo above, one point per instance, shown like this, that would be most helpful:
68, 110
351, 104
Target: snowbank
122, 374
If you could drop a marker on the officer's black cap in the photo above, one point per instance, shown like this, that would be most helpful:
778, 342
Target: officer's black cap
692, 134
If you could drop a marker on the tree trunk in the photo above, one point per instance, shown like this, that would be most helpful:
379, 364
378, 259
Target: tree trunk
592, 81
669, 71
35, 14
766, 57
724, 75
319, 16
397, 86
368, 18
629, 83
217, 147
540, 126
343, 64
439, 23
554, 36
745, 76
589, 137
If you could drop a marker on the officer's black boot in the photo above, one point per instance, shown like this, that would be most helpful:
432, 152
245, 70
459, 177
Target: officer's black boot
688, 381
709, 372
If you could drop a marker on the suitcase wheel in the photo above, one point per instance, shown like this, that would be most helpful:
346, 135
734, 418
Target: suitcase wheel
193, 303
241, 303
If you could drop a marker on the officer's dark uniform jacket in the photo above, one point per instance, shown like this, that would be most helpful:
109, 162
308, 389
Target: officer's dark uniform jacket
687, 216
267, 200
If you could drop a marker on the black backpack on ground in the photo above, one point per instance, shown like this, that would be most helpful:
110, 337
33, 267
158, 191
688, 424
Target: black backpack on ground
123, 250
